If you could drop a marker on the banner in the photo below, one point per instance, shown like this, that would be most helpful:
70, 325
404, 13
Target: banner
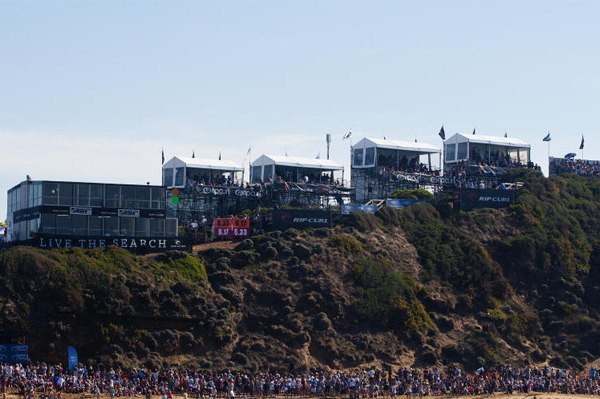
140, 245
425, 179
14, 353
348, 208
401, 203
231, 228
300, 219
72, 354
485, 198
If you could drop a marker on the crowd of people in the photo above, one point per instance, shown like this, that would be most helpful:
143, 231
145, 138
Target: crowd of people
47, 381
578, 166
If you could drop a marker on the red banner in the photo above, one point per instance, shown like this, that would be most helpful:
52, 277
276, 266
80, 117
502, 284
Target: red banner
231, 228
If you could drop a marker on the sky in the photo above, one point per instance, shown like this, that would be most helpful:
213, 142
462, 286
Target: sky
94, 90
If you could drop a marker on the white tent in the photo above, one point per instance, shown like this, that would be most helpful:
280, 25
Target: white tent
178, 170
373, 153
290, 168
471, 147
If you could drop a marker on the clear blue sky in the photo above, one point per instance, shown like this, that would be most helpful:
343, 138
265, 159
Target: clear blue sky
92, 90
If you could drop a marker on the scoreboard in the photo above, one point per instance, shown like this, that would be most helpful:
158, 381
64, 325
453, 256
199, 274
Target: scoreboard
231, 228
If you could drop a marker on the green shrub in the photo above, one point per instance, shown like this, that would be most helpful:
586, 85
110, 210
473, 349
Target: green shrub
345, 243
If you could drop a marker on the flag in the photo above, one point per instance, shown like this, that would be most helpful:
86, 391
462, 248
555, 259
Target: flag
249, 149
547, 138
442, 133
219, 155
163, 156
318, 155
72, 356
347, 136
193, 154
473, 130
581, 145
505, 134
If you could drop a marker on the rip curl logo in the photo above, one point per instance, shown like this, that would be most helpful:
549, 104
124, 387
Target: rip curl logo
472, 196
286, 217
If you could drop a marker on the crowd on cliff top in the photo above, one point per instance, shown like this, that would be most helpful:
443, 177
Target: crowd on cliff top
45, 381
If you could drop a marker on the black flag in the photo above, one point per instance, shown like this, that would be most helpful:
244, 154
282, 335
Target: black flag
473, 130
442, 133
193, 154
163, 156
219, 155
581, 145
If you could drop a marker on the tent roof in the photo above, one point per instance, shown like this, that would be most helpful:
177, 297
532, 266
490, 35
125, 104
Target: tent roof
310, 163
199, 163
492, 140
423, 148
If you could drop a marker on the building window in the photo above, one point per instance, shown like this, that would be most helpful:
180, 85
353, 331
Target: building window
358, 157
50, 193
158, 198
80, 225
450, 152
111, 226
65, 194
142, 197
127, 227
82, 195
462, 151
142, 227
95, 226
157, 227
48, 224
96, 195
179, 176
127, 197
171, 228
370, 156
168, 177
112, 196
63, 225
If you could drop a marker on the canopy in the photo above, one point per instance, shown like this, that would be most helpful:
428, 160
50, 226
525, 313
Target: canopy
290, 168
178, 170
371, 153
490, 140
477, 148
208, 164
421, 148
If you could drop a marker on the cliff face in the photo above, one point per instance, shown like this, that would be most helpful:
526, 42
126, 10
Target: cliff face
422, 286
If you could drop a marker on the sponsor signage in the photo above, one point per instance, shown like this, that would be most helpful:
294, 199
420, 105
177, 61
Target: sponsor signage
90, 211
133, 244
229, 191
485, 198
14, 353
401, 203
348, 208
231, 228
129, 213
426, 179
80, 210
300, 219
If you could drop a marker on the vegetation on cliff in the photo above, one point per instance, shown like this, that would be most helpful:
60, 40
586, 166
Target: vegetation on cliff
428, 284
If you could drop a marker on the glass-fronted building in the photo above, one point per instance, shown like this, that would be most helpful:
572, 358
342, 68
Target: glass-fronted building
75, 210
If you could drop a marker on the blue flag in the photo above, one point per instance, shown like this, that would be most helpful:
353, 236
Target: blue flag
73, 361
442, 133
547, 138
581, 145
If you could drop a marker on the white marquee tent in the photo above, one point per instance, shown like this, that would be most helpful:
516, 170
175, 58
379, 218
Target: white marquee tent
292, 169
462, 147
177, 170
371, 153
